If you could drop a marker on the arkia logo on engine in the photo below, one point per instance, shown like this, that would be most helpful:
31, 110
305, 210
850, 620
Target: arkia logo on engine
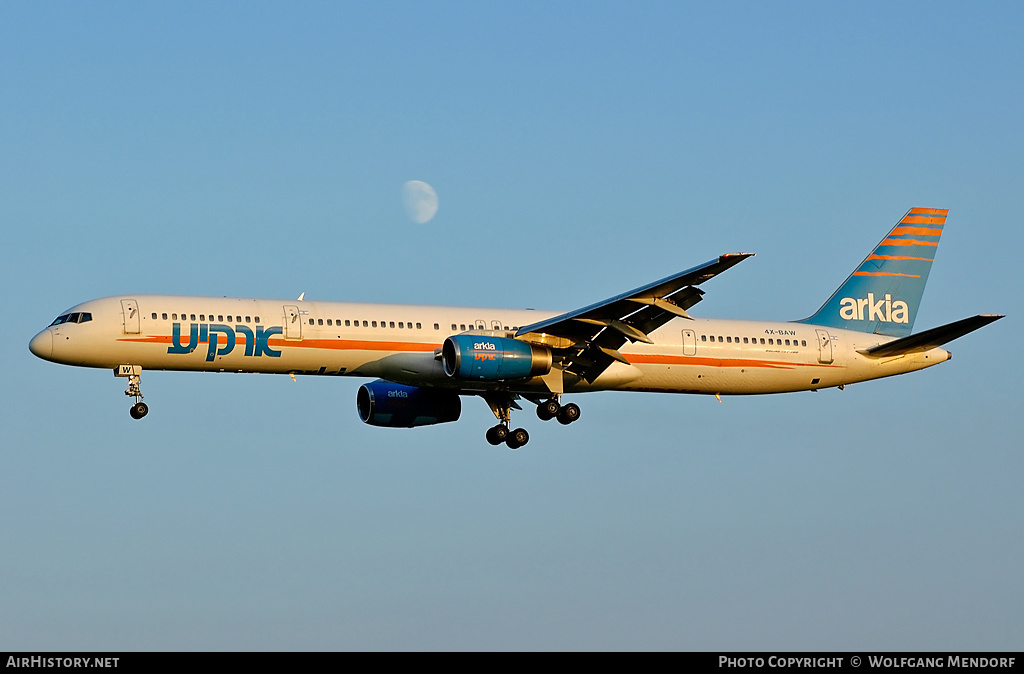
883, 310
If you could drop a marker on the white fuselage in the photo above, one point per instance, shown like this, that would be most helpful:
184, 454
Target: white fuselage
401, 343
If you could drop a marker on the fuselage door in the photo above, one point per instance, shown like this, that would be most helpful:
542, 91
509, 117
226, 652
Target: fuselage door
292, 322
824, 346
130, 310
689, 343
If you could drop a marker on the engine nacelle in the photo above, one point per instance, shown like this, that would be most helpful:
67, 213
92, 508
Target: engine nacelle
381, 403
493, 358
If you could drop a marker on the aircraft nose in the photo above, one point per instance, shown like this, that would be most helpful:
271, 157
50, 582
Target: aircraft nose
42, 345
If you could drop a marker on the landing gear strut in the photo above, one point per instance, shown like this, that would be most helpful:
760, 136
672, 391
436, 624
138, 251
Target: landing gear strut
134, 374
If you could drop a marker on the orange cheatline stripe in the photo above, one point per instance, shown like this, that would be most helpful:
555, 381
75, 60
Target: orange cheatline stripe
921, 231
922, 220
907, 242
362, 345
897, 257
883, 273
660, 359
651, 359
929, 211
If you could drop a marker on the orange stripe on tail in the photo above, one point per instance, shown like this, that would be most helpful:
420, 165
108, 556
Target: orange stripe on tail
919, 231
908, 242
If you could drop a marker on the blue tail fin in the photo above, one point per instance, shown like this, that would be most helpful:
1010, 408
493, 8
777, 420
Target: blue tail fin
883, 294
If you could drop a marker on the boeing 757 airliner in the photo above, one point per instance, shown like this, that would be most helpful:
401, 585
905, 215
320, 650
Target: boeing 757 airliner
424, 358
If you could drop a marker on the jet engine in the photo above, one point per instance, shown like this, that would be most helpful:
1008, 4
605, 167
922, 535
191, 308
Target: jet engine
381, 403
474, 357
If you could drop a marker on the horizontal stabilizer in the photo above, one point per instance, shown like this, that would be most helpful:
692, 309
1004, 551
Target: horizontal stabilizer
929, 339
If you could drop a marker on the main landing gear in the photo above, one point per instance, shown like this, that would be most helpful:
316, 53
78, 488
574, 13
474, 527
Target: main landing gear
550, 409
503, 403
134, 374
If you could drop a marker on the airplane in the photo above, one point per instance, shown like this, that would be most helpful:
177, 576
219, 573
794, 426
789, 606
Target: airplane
426, 358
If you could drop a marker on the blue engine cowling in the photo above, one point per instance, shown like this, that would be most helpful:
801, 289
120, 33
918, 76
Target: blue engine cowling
381, 403
493, 358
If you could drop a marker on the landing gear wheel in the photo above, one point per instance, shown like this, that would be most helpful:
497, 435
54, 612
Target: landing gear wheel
568, 414
517, 438
497, 434
139, 410
548, 409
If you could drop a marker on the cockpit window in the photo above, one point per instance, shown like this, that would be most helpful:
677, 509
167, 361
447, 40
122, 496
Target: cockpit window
77, 317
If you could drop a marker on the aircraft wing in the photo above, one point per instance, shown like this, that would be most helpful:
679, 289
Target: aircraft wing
929, 339
587, 340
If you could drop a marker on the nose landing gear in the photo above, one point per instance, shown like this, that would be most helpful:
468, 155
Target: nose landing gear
134, 374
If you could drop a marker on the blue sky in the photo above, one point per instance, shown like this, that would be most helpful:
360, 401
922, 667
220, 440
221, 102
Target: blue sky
578, 150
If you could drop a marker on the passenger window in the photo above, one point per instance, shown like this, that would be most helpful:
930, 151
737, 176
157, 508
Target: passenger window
454, 327
392, 324
366, 324
462, 327
436, 326
375, 324
329, 322
719, 338
319, 321
174, 317
164, 316
311, 321
728, 339
803, 342
703, 338
154, 315
347, 323
402, 325
193, 316
744, 340
247, 319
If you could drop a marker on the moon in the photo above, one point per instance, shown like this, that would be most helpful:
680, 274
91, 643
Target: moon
419, 200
